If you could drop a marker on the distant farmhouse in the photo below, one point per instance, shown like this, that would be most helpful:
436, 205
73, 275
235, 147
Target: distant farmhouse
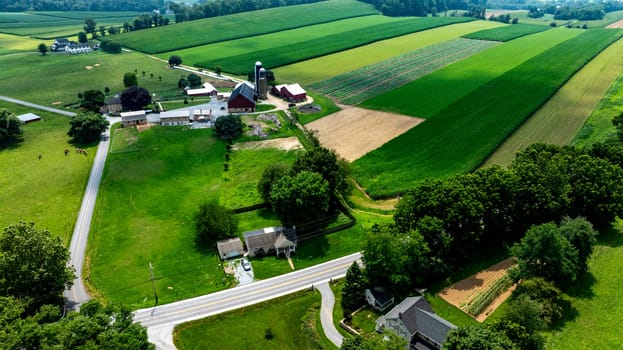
242, 99
59, 44
271, 240
73, 48
415, 321
207, 90
112, 105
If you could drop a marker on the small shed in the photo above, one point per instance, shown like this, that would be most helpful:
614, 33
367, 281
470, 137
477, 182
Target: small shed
379, 298
28, 118
229, 248
133, 118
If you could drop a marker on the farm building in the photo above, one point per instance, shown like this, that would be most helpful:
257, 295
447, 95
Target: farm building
291, 92
202, 115
242, 99
379, 298
77, 48
279, 240
28, 118
133, 118
415, 321
179, 117
112, 105
59, 44
206, 90
229, 248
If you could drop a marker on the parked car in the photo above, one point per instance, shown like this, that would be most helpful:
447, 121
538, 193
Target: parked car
246, 265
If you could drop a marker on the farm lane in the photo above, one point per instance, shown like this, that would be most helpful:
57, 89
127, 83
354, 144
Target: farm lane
160, 320
326, 314
34, 105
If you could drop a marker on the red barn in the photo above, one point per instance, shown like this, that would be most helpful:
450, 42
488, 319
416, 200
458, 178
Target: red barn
242, 99
291, 92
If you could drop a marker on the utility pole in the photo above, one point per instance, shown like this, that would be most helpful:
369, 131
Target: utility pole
153, 282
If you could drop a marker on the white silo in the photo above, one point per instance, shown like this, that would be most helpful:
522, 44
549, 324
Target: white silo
258, 66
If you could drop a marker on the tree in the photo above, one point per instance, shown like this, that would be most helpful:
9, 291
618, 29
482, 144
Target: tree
135, 98
477, 338
112, 30
214, 222
527, 312
218, 70
545, 252
581, 234
326, 163
183, 82
33, 264
545, 293
175, 60
92, 100
112, 47
194, 80
43, 48
82, 38
129, 79
86, 127
228, 127
102, 30
353, 292
301, 199
271, 174
90, 27
10, 128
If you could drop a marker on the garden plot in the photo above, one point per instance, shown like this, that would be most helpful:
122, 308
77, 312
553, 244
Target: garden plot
353, 132
361, 84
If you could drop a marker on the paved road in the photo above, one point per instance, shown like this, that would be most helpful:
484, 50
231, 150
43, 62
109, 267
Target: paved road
34, 105
161, 319
326, 314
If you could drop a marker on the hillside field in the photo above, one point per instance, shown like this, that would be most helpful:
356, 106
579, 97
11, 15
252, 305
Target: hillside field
14, 43
507, 33
241, 25
460, 136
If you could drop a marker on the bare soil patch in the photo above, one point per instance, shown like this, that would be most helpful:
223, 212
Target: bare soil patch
286, 144
463, 292
353, 132
88, 67
617, 24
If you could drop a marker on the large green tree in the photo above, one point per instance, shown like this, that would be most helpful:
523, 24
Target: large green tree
92, 100
300, 199
43, 48
353, 292
33, 264
326, 163
228, 127
580, 233
129, 79
271, 174
90, 27
478, 338
214, 222
194, 80
86, 127
175, 60
10, 128
135, 98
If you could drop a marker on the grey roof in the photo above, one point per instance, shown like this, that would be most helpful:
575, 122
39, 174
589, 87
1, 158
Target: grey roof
381, 296
229, 247
115, 100
261, 238
286, 238
244, 90
28, 117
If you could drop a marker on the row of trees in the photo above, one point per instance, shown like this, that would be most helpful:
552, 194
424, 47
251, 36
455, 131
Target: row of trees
80, 5
34, 272
475, 8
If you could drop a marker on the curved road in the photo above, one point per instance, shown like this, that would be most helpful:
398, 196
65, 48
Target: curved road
326, 314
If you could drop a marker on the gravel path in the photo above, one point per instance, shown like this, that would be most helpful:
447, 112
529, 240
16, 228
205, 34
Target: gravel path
326, 314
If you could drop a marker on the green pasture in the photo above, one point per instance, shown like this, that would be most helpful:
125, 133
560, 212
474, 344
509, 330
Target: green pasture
245, 328
13, 43
241, 25
326, 107
361, 84
609, 18
437, 90
145, 214
328, 66
560, 119
295, 51
46, 191
57, 79
459, 137
506, 33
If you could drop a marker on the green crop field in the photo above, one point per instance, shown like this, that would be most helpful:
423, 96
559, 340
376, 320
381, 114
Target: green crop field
328, 66
46, 191
13, 43
291, 52
359, 85
241, 25
560, 119
460, 136
609, 18
507, 33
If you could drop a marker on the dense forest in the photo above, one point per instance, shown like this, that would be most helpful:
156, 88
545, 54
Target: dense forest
80, 5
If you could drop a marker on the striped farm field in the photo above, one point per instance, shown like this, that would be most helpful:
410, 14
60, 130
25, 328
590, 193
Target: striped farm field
295, 51
507, 33
241, 25
325, 67
464, 132
361, 84
13, 43
560, 119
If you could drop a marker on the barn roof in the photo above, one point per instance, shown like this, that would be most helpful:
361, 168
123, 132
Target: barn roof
244, 90
295, 89
175, 114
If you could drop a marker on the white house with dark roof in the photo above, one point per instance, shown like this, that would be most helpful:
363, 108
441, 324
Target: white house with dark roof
78, 48
414, 320
279, 240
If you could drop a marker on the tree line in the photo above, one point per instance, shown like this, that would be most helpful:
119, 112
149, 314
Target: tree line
475, 8
80, 5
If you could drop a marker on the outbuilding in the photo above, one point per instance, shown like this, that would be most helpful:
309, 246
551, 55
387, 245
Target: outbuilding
178, 117
242, 99
28, 118
133, 118
207, 90
229, 248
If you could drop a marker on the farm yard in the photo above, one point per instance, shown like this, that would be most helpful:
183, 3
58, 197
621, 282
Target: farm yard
359, 85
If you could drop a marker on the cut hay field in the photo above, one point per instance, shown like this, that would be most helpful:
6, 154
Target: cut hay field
560, 119
507, 33
46, 191
241, 25
13, 43
361, 84
22, 76
463, 134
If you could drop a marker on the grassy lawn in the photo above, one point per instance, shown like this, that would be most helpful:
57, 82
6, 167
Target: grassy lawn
326, 107
21, 76
560, 119
292, 319
506, 33
14, 43
145, 214
46, 191
325, 67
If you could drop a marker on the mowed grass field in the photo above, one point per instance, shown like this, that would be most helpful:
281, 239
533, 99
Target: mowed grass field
560, 119
46, 191
291, 52
14, 43
57, 79
241, 25
507, 33
463, 134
